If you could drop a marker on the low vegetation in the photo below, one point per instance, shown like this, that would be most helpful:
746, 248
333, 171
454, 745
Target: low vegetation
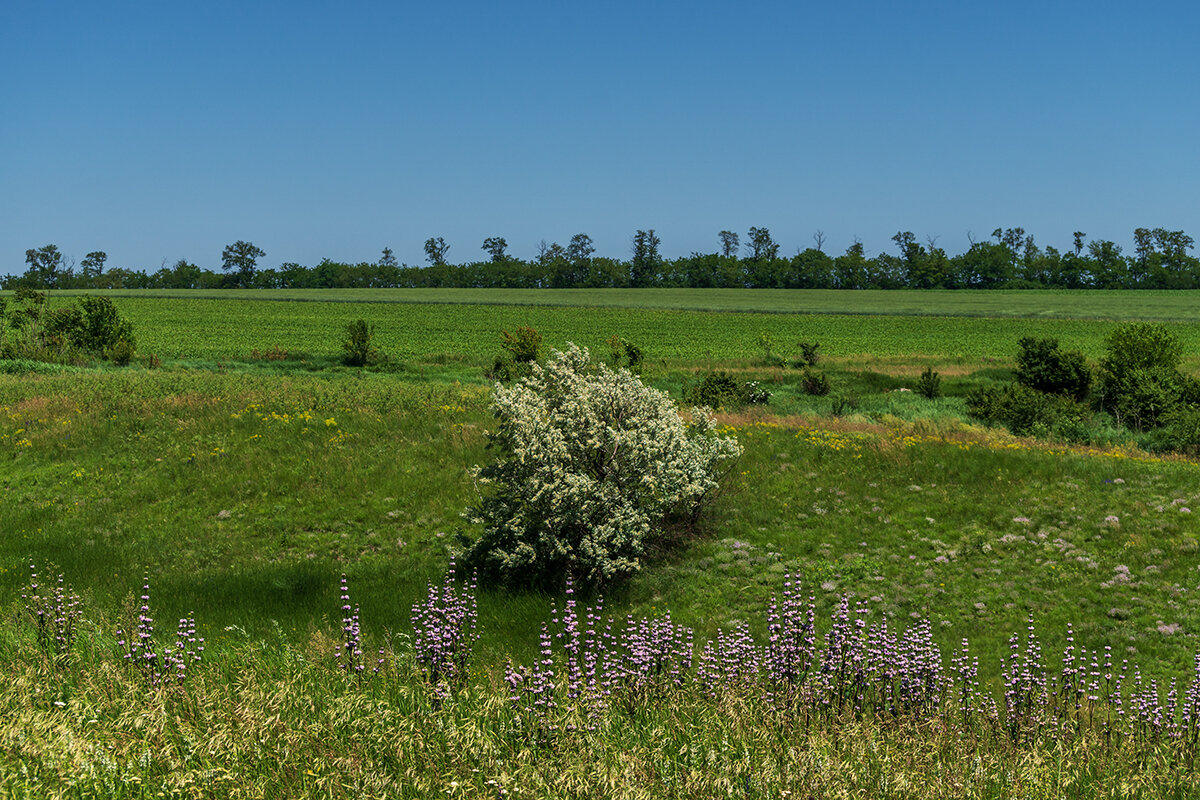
260, 544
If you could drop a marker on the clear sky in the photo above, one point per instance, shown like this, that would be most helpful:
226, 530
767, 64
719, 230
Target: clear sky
162, 130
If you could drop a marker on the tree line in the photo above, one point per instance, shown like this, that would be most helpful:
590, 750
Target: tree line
1009, 259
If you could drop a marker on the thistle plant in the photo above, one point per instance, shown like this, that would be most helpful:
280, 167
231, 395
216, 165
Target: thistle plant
54, 612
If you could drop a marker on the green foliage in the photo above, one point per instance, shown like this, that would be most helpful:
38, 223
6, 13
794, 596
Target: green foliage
843, 404
120, 353
356, 347
720, 390
809, 354
92, 327
1041, 365
102, 327
591, 465
622, 351
929, 385
524, 345
1140, 380
766, 343
814, 383
1025, 411
1180, 431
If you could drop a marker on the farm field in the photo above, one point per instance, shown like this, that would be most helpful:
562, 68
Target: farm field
1045, 304
245, 489
186, 327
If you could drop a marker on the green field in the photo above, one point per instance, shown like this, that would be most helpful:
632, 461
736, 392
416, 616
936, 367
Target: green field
244, 488
1042, 304
440, 326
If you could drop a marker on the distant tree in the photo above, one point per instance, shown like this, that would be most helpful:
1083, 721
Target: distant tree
46, 267
729, 244
912, 256
643, 268
819, 238
495, 246
184, 275
93, 263
761, 246
1080, 236
580, 248
387, 259
241, 258
435, 251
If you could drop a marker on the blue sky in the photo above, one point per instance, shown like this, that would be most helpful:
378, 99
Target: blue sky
157, 131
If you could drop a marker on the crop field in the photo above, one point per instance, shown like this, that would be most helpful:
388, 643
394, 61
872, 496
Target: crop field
186, 327
243, 491
1175, 306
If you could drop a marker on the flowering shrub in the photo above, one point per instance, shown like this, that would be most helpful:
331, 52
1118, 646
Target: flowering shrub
592, 461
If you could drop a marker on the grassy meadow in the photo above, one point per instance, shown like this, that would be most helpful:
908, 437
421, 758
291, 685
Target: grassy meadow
244, 482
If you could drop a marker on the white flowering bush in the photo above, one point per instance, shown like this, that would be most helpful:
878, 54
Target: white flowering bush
591, 464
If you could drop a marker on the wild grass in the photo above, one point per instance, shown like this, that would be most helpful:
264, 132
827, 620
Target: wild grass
245, 487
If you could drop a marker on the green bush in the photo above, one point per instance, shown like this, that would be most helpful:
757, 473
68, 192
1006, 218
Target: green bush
524, 346
1041, 365
92, 327
622, 351
929, 385
1025, 411
721, 390
356, 347
814, 383
1140, 382
592, 463
809, 354
1180, 432
102, 327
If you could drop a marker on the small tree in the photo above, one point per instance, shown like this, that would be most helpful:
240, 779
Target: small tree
592, 463
929, 385
356, 347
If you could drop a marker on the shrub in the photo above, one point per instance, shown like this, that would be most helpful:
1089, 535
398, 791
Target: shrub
524, 345
633, 356
120, 353
621, 350
842, 405
1025, 411
929, 385
1041, 365
809, 355
1140, 380
356, 348
102, 327
767, 344
1181, 431
92, 327
814, 383
591, 464
722, 390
